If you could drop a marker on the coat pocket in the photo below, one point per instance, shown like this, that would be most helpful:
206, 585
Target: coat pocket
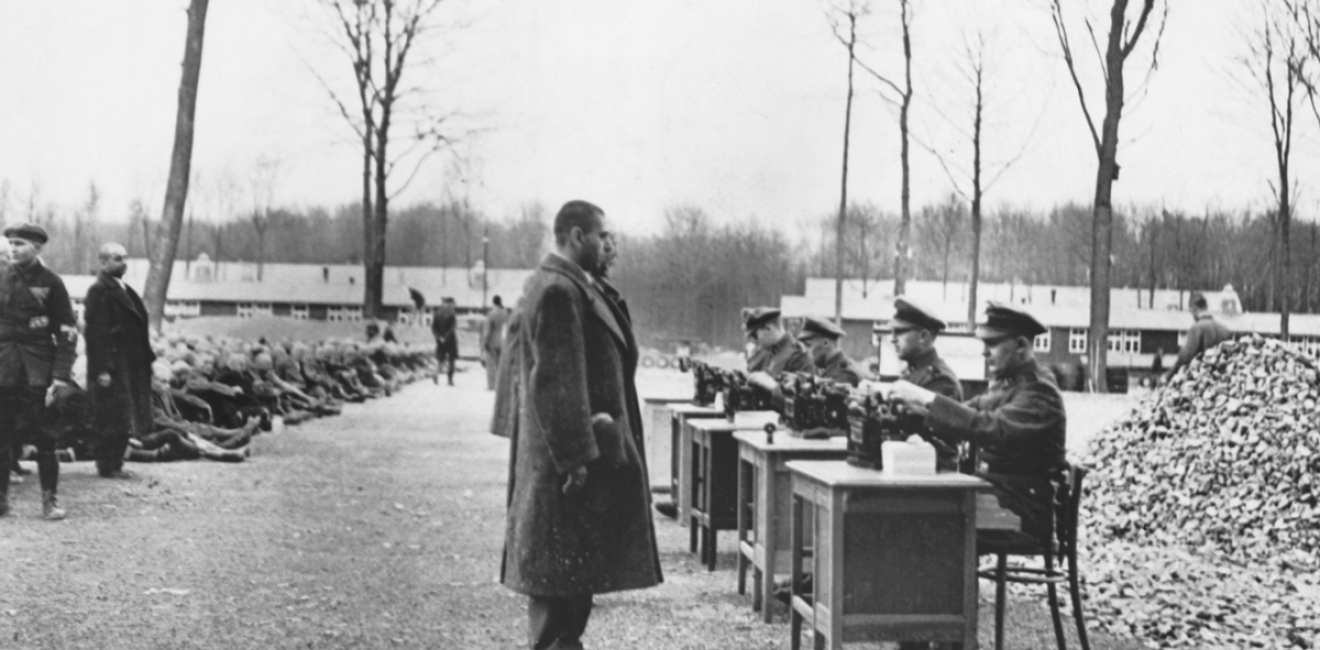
609, 439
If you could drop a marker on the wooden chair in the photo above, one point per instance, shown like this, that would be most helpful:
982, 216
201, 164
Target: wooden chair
1058, 548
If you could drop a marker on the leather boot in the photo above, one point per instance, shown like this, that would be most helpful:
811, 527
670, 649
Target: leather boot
50, 506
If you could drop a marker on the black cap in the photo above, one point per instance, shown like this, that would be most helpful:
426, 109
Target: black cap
757, 316
909, 314
1006, 320
813, 327
29, 231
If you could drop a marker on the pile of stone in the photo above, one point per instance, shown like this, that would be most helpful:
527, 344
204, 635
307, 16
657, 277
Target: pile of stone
1202, 514
1226, 455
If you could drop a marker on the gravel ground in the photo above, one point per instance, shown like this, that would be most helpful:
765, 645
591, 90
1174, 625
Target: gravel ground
381, 528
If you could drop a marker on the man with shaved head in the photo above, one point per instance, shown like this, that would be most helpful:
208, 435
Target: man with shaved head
119, 358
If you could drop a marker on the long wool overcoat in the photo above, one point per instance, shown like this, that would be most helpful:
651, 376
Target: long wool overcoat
119, 343
576, 358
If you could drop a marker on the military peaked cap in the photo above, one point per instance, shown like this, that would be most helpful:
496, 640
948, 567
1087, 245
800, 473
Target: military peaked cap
1006, 320
758, 316
813, 327
29, 231
908, 314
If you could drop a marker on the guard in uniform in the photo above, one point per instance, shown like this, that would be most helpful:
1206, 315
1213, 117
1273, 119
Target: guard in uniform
1019, 422
822, 338
913, 333
776, 350
38, 342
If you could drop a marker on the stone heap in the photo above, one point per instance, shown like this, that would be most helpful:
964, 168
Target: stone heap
1201, 527
1226, 455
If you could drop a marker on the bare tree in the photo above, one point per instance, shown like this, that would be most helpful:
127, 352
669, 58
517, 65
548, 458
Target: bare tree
378, 36
1277, 60
1123, 38
265, 178
176, 193
864, 243
970, 184
84, 229
850, 13
901, 97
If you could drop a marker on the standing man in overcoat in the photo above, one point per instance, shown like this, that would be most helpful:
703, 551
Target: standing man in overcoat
119, 360
444, 327
579, 518
492, 339
38, 344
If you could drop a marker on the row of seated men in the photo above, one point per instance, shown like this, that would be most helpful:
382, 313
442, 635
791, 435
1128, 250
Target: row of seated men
211, 395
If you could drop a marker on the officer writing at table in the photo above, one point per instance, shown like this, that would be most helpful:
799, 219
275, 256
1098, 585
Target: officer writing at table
1019, 422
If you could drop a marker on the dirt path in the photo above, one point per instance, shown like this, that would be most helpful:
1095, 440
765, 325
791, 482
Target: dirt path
380, 528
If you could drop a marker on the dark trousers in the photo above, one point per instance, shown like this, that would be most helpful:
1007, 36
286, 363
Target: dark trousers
557, 622
113, 427
23, 419
446, 352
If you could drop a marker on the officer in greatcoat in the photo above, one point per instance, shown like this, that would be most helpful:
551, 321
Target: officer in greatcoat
119, 358
1019, 423
776, 350
38, 343
579, 518
822, 339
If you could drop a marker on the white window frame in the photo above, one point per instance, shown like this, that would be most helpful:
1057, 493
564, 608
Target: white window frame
183, 308
345, 313
1077, 340
1125, 341
300, 311
1043, 343
252, 309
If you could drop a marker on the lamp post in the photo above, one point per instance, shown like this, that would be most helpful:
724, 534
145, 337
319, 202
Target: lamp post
485, 264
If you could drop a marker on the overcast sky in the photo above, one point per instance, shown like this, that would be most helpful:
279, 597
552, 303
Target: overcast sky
733, 105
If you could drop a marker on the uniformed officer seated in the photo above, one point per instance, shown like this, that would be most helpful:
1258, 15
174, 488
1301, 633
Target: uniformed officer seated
913, 332
822, 339
1019, 423
776, 352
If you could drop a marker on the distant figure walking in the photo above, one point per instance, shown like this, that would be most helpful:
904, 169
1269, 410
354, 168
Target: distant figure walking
445, 329
492, 339
119, 361
1204, 334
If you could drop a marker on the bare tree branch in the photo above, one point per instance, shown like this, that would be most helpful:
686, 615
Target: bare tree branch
1062, 33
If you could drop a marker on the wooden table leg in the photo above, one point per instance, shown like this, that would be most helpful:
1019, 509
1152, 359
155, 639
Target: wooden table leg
766, 534
795, 574
743, 493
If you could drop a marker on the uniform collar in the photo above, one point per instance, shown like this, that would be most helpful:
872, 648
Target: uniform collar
27, 271
923, 359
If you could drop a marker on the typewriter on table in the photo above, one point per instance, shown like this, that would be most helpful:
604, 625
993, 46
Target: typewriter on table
872, 420
813, 407
708, 381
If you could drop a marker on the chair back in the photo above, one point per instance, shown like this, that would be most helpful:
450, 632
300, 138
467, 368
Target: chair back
1068, 489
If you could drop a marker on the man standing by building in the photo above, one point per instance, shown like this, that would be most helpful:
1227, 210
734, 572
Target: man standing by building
1205, 333
579, 518
38, 343
444, 326
119, 360
492, 339
822, 339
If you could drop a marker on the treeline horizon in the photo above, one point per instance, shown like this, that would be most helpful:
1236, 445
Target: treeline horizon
690, 279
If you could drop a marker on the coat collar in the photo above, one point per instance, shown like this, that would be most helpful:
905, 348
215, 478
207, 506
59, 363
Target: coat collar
120, 293
556, 263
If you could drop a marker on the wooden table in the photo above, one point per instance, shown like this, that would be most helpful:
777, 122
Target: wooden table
656, 420
764, 491
680, 459
713, 483
894, 555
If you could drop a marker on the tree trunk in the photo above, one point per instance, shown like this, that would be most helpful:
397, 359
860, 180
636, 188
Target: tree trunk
843, 194
976, 205
905, 226
176, 194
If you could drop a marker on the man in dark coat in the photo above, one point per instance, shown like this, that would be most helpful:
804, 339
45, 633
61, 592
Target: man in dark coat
119, 360
444, 326
822, 339
1019, 423
579, 500
776, 350
38, 343
1205, 333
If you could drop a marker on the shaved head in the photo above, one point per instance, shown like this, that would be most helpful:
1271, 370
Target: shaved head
112, 259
